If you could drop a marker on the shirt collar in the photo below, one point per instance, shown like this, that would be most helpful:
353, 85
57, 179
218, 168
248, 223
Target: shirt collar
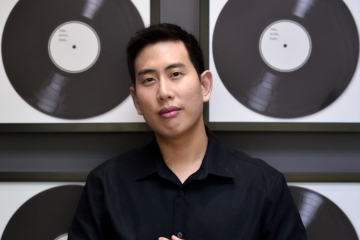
214, 162
149, 156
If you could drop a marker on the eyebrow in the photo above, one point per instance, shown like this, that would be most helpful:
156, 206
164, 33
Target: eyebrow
145, 71
150, 70
175, 65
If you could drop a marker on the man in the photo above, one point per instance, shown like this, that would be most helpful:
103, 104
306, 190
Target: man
185, 184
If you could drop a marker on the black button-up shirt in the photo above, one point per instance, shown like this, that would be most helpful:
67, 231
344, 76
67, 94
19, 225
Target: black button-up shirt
232, 196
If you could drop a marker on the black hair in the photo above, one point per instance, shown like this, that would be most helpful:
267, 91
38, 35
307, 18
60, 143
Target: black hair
163, 32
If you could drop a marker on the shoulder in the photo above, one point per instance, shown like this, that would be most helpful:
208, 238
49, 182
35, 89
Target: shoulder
238, 158
254, 174
240, 163
123, 165
248, 169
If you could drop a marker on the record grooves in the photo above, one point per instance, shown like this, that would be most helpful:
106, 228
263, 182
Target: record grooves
285, 59
322, 218
89, 89
47, 215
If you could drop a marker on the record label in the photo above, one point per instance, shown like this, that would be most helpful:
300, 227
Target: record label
74, 47
285, 46
62, 237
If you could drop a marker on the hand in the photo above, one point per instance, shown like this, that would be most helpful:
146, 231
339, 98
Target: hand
173, 237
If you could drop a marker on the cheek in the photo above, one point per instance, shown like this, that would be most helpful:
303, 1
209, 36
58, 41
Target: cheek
145, 106
194, 98
143, 102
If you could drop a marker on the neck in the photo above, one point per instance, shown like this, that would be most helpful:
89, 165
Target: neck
184, 154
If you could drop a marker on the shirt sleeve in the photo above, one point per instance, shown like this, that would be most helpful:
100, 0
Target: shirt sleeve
89, 219
281, 220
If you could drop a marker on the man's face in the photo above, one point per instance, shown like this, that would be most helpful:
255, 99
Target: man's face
169, 93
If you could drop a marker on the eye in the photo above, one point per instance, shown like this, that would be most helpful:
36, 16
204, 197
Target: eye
176, 74
148, 80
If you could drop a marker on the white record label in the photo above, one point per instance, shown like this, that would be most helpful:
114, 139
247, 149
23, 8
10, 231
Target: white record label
62, 237
74, 47
285, 46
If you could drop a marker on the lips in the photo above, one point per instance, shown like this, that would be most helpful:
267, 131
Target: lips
168, 112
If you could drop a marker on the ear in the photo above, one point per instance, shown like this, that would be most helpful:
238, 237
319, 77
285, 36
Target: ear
135, 100
206, 85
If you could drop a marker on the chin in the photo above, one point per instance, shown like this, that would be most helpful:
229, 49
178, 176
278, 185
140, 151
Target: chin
169, 131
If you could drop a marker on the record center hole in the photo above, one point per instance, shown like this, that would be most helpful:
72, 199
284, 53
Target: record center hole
285, 45
74, 46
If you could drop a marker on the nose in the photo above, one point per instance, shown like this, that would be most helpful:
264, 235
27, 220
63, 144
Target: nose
164, 90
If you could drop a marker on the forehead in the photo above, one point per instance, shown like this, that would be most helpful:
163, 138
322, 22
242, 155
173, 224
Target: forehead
162, 52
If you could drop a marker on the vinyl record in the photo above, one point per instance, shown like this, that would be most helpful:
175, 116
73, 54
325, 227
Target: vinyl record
322, 218
47, 215
66, 58
285, 59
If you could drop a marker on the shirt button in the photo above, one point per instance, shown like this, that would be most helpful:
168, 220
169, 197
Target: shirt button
179, 234
181, 193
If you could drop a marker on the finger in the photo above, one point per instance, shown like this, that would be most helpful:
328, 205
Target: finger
163, 238
173, 237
